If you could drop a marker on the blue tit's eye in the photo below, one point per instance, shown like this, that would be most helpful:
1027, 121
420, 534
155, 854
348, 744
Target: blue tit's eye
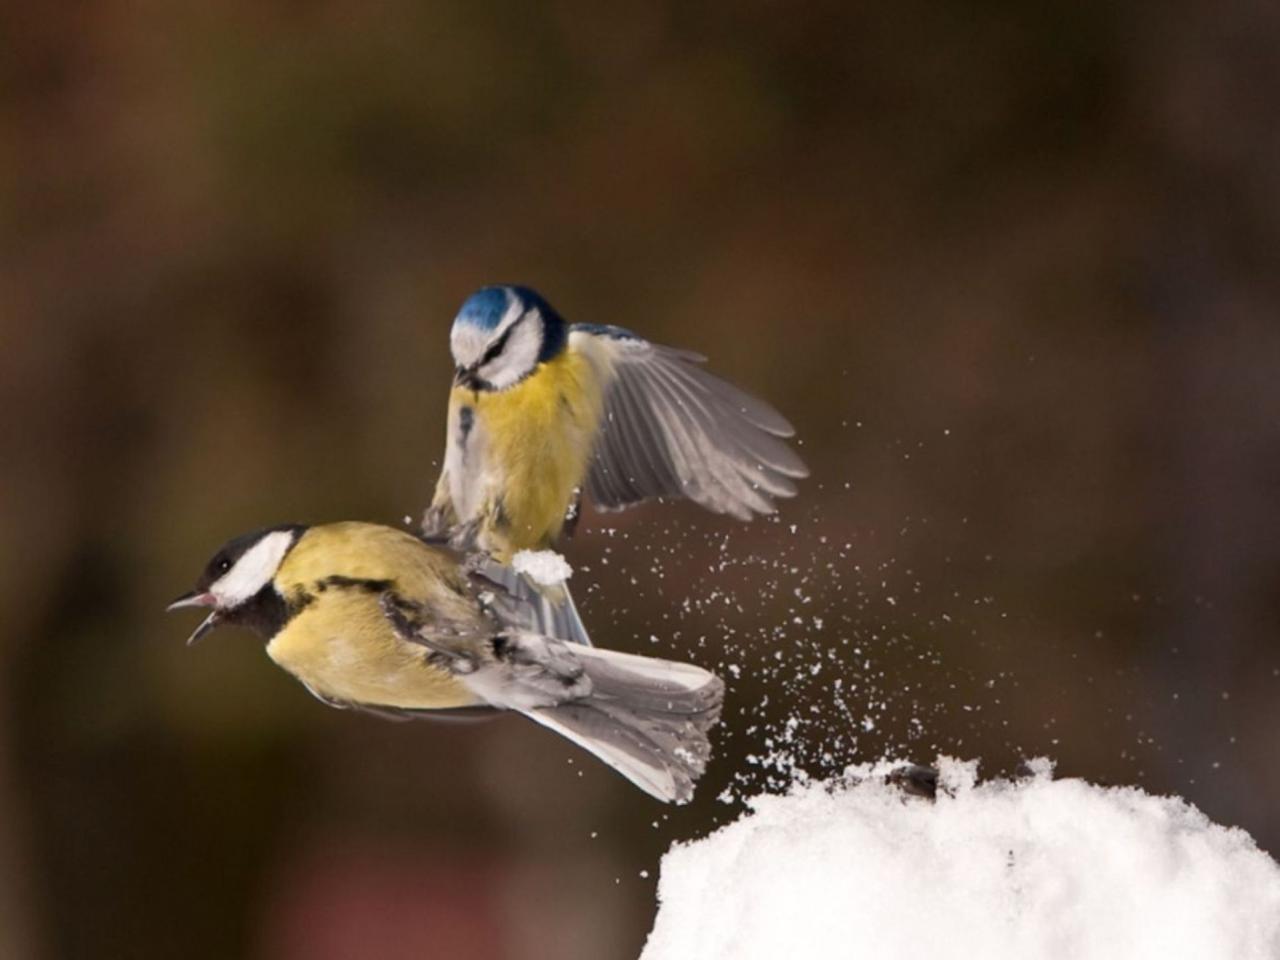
495, 348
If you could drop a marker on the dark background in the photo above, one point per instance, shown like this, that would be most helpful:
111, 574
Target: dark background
1011, 268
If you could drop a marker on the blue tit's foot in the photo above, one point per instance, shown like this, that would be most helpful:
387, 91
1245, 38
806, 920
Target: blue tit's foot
465, 536
436, 525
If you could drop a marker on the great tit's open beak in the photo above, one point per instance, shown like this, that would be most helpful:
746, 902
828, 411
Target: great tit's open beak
197, 598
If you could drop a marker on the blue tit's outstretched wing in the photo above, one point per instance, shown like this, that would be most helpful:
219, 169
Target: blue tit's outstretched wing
671, 429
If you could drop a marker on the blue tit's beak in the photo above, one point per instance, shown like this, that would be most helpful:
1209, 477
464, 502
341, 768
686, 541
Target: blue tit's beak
466, 377
198, 598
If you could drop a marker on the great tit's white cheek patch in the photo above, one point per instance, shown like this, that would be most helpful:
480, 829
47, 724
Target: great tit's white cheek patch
253, 570
519, 355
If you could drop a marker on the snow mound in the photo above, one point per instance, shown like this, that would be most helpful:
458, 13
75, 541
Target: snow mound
1037, 868
542, 566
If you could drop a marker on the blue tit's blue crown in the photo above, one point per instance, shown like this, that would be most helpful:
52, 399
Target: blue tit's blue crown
486, 308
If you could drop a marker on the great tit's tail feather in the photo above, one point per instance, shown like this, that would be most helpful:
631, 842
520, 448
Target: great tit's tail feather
653, 736
622, 747
646, 718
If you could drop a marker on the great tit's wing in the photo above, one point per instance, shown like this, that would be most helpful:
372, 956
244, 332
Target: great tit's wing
456, 645
671, 429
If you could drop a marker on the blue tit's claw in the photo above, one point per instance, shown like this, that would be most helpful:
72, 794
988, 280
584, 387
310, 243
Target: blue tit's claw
435, 525
465, 536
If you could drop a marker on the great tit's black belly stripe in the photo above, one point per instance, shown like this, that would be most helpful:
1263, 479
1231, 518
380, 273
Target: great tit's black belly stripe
353, 583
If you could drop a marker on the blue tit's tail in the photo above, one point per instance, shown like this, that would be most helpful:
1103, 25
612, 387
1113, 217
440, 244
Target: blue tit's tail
546, 609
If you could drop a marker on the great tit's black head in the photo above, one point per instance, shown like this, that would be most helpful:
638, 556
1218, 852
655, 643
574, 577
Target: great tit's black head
501, 334
236, 582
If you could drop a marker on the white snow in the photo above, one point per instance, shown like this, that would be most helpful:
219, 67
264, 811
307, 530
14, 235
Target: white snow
1036, 869
542, 566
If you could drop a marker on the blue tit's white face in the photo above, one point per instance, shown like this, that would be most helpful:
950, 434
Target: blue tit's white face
499, 337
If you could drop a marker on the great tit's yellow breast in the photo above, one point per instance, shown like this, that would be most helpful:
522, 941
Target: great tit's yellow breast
339, 643
537, 439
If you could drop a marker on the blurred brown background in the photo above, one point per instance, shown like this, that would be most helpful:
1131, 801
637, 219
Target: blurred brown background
1010, 268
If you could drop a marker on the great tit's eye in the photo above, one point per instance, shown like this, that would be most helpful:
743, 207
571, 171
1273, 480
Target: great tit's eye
223, 565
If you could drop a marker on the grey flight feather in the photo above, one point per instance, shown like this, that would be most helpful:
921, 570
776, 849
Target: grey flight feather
671, 429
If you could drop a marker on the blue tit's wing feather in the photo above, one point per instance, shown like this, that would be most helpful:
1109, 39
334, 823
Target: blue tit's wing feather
671, 429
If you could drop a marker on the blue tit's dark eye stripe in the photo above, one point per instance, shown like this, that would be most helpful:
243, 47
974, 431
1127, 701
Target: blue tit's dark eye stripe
495, 348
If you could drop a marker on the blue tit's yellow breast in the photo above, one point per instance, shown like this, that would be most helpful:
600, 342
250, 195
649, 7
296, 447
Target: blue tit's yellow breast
538, 440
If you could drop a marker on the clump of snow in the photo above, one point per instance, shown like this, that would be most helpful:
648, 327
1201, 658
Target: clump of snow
542, 566
1033, 868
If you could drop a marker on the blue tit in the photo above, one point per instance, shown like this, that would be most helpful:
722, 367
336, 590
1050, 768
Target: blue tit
542, 410
373, 618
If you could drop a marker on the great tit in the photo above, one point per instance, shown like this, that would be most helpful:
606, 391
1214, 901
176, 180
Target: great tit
373, 618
